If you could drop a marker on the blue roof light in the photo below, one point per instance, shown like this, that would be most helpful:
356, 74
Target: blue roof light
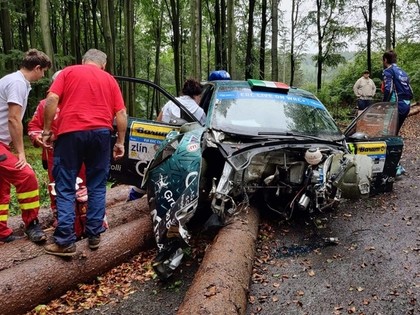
219, 75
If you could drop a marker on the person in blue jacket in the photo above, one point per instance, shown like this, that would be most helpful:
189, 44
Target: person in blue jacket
396, 86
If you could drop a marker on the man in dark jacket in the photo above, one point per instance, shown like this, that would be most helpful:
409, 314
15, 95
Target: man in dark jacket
396, 86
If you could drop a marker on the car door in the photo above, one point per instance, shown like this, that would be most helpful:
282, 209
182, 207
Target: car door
143, 136
374, 133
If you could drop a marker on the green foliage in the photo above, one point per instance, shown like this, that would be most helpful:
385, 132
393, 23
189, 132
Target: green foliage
408, 58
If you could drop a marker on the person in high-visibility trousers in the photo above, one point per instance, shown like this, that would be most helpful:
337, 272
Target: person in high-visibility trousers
14, 169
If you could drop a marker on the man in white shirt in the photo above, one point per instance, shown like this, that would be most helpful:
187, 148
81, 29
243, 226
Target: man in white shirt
365, 90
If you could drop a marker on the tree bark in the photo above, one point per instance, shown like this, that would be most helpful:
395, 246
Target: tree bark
47, 277
415, 109
114, 195
274, 40
20, 251
221, 284
249, 58
231, 39
46, 34
108, 34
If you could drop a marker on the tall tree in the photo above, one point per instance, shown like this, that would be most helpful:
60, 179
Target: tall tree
173, 8
105, 9
274, 41
231, 39
129, 91
196, 38
218, 35
389, 6
6, 30
331, 32
368, 21
249, 58
297, 30
264, 22
46, 34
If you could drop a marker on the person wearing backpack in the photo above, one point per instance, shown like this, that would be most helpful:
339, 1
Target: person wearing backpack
396, 86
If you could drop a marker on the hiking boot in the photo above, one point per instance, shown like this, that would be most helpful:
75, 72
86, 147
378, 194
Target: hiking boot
35, 232
93, 241
58, 250
9, 238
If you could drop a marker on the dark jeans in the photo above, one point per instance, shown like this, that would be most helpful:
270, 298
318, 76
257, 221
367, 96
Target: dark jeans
92, 147
363, 104
403, 111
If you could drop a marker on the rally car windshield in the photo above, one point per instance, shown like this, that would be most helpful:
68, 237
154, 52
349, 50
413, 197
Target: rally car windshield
247, 112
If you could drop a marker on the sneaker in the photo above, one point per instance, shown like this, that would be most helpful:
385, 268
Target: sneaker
93, 241
9, 238
400, 170
58, 250
35, 232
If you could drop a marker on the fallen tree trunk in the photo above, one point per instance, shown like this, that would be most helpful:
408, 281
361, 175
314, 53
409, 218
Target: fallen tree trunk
46, 277
115, 195
221, 284
414, 109
19, 251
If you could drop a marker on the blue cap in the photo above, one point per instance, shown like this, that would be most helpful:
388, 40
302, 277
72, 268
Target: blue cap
219, 75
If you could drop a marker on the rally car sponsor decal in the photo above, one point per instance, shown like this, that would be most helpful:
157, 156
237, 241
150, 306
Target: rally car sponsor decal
145, 139
376, 151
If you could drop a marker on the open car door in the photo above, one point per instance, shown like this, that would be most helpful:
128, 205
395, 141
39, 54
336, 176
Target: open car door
143, 136
374, 133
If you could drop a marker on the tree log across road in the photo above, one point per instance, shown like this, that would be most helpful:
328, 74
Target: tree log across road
33, 277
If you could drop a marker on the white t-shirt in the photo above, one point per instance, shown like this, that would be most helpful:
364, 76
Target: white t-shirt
14, 88
170, 110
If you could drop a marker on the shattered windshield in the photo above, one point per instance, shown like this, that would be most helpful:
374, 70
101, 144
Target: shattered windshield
247, 112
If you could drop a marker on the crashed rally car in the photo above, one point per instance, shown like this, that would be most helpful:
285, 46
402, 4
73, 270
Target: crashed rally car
263, 142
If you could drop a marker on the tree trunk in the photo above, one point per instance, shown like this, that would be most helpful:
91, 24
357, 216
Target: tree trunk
116, 195
319, 62
6, 30
221, 284
109, 39
294, 20
46, 34
249, 59
158, 43
20, 251
47, 277
196, 38
129, 90
231, 40
388, 15
176, 42
264, 23
217, 35
274, 41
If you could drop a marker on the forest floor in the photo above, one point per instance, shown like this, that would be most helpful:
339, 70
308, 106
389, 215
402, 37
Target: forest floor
371, 266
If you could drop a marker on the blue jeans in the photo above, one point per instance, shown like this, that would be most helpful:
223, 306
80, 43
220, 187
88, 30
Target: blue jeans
92, 147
